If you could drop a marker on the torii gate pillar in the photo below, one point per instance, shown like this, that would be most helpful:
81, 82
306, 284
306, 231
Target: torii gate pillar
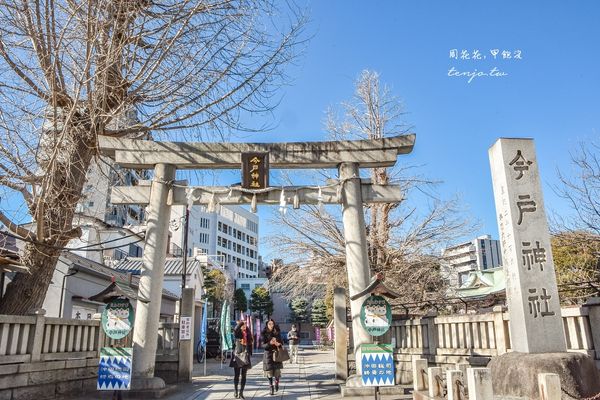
357, 260
147, 313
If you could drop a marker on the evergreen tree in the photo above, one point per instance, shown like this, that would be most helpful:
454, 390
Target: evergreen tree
261, 302
319, 314
299, 307
214, 287
240, 300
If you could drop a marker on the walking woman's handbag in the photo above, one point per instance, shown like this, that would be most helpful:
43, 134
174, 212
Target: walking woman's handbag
242, 359
280, 355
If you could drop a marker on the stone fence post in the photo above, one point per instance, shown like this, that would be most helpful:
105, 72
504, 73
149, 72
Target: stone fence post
480, 383
341, 334
593, 307
101, 334
455, 384
499, 332
37, 341
419, 366
435, 382
432, 339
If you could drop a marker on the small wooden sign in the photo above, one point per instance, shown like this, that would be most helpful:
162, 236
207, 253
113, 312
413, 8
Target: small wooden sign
255, 170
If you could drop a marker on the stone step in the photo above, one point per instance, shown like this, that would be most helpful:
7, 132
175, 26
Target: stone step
404, 391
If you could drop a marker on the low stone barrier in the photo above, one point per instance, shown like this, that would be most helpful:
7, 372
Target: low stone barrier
45, 358
474, 339
432, 383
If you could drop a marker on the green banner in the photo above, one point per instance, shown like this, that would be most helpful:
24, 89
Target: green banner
376, 315
117, 318
226, 343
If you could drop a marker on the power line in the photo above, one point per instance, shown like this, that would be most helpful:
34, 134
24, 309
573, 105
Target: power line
86, 248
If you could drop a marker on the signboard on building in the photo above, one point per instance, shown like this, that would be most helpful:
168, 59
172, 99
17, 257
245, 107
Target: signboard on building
255, 170
377, 362
376, 315
185, 328
114, 371
117, 318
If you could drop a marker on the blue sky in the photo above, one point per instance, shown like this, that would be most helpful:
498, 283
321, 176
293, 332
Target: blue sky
551, 94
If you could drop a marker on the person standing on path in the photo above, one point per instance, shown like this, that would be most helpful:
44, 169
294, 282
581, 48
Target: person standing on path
293, 341
271, 341
240, 359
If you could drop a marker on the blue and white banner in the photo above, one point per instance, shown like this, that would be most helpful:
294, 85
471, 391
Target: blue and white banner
114, 371
377, 364
203, 326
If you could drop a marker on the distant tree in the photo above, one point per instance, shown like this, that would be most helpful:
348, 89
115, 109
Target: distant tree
240, 300
329, 302
261, 302
576, 261
581, 189
318, 315
299, 308
215, 287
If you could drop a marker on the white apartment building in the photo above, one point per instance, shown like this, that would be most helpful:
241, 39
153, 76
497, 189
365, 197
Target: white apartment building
229, 234
458, 261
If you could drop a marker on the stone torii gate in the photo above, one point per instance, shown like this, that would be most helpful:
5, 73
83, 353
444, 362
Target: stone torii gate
163, 192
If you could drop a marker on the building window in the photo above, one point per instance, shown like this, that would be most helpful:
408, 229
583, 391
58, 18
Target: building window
135, 251
245, 286
462, 278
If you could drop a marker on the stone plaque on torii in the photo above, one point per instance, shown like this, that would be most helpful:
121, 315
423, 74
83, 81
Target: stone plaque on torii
161, 193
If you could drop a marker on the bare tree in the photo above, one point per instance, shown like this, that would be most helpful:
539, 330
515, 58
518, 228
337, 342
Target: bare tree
71, 69
404, 241
581, 190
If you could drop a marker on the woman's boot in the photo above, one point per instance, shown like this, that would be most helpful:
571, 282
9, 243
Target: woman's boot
272, 390
277, 385
236, 394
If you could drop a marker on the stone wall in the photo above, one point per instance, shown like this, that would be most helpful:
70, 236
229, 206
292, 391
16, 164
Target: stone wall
47, 379
474, 339
45, 358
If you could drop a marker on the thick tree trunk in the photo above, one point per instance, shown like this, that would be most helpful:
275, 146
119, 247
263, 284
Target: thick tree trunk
28, 291
61, 191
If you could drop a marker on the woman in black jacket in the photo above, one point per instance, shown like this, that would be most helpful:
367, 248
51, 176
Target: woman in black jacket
271, 341
243, 344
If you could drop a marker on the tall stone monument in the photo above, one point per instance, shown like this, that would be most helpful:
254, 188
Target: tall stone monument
536, 328
531, 291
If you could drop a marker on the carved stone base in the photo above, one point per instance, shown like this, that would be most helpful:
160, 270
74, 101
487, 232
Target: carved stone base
515, 374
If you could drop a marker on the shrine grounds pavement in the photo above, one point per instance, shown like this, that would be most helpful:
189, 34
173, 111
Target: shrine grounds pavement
312, 378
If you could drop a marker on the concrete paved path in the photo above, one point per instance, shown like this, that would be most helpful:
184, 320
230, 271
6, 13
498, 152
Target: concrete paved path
311, 378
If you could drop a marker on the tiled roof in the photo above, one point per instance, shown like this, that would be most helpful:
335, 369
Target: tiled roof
86, 264
173, 266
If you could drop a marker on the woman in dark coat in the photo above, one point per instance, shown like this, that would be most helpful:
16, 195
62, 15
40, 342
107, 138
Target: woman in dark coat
243, 343
271, 341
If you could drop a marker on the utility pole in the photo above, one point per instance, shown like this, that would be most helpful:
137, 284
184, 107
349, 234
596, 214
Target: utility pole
185, 247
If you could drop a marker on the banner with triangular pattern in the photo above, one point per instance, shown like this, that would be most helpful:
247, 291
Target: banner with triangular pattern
377, 361
114, 370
